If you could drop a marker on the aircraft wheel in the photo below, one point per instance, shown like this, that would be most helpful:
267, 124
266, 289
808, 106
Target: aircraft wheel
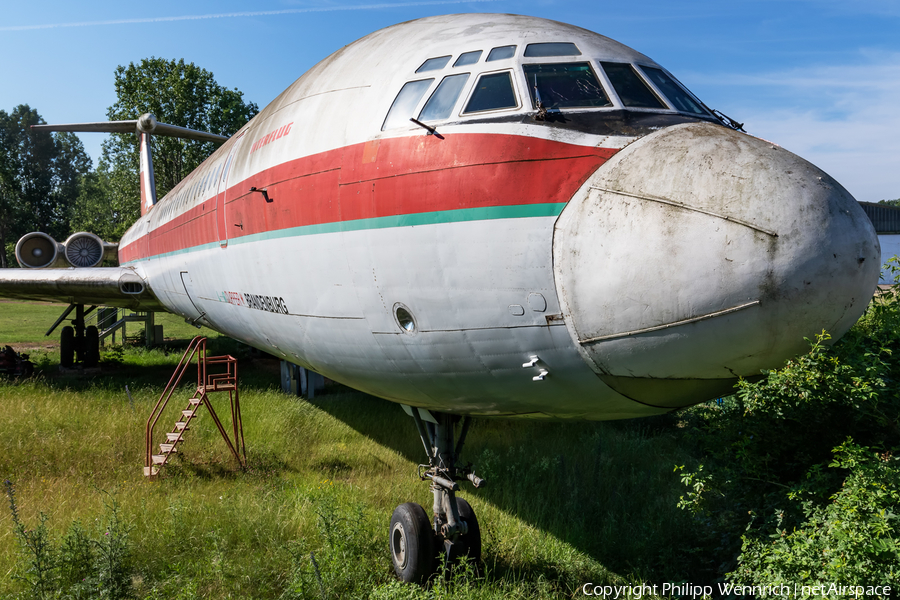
91, 346
472, 540
67, 347
412, 543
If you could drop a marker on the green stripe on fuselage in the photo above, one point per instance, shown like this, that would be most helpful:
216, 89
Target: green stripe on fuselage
430, 218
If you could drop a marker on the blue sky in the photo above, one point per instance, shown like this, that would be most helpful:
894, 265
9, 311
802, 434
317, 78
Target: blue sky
819, 77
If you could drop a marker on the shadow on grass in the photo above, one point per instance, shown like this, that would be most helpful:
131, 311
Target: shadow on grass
265, 465
607, 489
140, 367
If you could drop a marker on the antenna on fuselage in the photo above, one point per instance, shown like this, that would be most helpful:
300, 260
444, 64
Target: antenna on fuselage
145, 127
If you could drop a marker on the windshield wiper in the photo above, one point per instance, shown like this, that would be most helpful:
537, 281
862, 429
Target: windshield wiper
431, 130
542, 110
725, 119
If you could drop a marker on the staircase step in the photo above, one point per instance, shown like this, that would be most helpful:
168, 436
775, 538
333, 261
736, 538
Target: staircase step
174, 436
159, 459
195, 401
188, 412
181, 426
151, 471
168, 448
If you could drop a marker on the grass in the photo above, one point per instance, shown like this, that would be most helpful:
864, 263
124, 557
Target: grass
566, 504
24, 324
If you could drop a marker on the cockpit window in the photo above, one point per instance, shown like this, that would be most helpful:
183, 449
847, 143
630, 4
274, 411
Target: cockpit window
501, 52
442, 101
564, 85
632, 90
434, 64
467, 58
492, 92
405, 103
679, 98
552, 49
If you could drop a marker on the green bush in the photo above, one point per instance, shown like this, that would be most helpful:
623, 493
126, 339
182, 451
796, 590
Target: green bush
801, 462
853, 539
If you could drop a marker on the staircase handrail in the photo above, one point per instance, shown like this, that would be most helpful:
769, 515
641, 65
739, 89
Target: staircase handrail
197, 344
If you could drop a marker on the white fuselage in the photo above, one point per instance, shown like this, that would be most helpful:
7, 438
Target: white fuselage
641, 279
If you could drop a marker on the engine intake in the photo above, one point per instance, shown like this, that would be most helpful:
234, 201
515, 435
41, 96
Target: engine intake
85, 249
38, 250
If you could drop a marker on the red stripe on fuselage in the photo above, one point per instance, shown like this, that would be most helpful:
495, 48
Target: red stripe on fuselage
386, 177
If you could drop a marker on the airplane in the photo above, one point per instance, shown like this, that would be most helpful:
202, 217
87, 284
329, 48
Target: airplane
486, 215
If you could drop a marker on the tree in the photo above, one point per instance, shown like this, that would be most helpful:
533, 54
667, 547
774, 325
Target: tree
177, 93
101, 209
40, 177
8, 199
890, 202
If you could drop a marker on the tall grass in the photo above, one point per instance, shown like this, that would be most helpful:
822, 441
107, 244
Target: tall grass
566, 503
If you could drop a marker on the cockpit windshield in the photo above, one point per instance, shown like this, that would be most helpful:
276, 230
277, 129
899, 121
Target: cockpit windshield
679, 98
632, 90
564, 85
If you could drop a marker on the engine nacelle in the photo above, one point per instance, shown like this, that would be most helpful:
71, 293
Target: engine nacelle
38, 250
85, 249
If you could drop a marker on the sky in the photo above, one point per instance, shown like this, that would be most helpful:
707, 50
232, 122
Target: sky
818, 77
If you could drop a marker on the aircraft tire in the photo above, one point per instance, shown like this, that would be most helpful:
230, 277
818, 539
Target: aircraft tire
472, 540
91, 347
412, 543
67, 347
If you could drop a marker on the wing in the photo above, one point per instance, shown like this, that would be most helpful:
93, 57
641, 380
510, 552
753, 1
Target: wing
108, 286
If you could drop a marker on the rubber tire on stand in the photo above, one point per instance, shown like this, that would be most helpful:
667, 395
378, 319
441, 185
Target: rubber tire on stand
91, 347
472, 539
67, 347
412, 543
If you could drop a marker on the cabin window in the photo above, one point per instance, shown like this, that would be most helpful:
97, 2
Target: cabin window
444, 98
676, 94
492, 92
468, 58
434, 64
632, 90
405, 103
552, 49
227, 166
564, 85
501, 52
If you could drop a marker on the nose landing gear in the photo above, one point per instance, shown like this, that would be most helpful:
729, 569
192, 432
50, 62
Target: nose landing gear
414, 542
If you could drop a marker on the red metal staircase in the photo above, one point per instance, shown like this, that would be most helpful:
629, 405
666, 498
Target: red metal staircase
208, 382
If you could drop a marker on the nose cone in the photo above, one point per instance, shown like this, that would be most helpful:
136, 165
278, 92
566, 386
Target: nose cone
699, 254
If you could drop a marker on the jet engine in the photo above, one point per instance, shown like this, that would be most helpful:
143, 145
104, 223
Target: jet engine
85, 249
38, 250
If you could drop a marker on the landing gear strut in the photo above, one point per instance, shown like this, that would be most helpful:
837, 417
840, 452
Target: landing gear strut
414, 542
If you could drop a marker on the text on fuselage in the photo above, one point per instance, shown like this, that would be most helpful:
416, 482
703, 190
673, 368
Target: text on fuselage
255, 301
271, 137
